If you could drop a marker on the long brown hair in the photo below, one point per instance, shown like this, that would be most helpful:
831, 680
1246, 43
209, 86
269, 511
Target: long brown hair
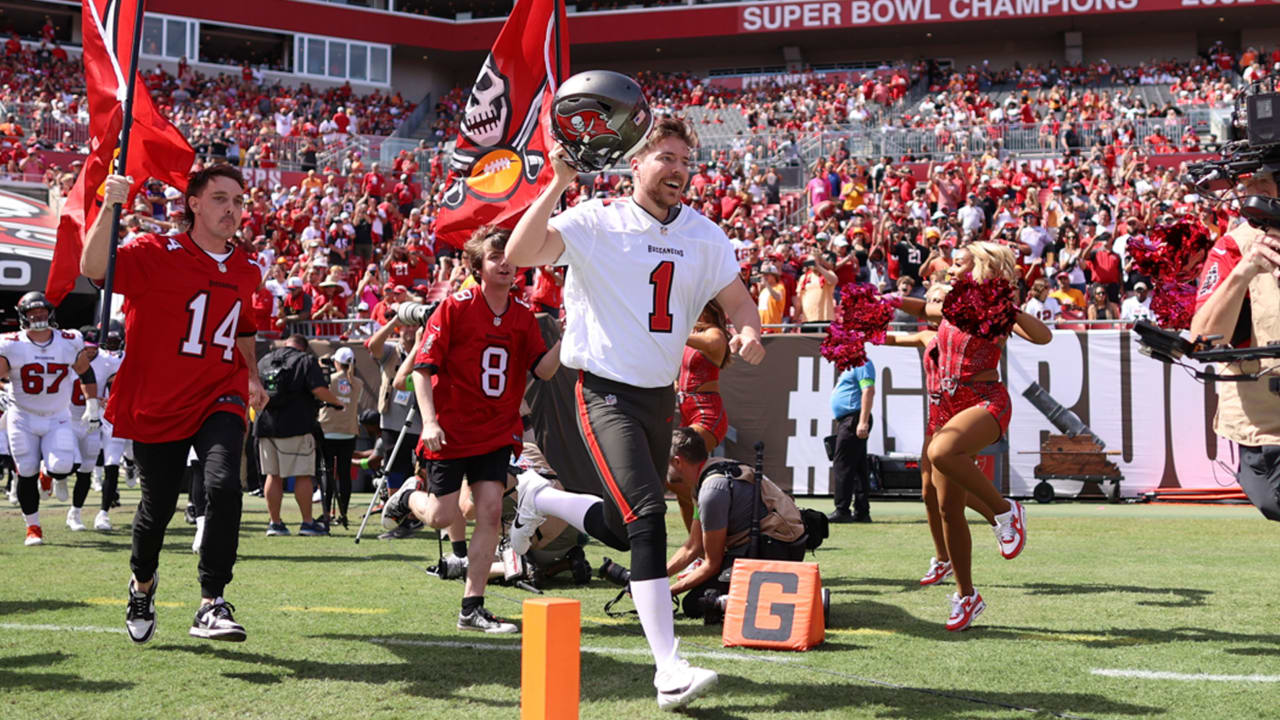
714, 316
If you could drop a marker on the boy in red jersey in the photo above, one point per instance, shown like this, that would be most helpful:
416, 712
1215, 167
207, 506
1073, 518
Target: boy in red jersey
469, 376
187, 381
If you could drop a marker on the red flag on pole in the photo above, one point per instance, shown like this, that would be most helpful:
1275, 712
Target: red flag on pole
500, 162
157, 149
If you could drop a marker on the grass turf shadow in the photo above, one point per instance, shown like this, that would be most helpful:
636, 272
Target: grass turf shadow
1186, 597
14, 607
607, 679
12, 679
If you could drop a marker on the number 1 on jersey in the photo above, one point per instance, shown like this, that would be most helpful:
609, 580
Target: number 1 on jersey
660, 279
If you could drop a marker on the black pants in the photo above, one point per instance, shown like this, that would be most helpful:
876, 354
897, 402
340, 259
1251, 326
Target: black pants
162, 467
628, 432
196, 495
850, 467
400, 466
1259, 477
337, 456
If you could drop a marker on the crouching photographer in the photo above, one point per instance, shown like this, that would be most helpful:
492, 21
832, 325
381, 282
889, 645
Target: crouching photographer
721, 532
556, 546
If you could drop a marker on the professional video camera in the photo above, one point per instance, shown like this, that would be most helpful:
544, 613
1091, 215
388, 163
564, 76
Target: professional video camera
1170, 347
1256, 120
415, 314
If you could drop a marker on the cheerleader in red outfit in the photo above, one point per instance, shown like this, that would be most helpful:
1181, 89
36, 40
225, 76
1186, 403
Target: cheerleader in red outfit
969, 409
940, 564
706, 353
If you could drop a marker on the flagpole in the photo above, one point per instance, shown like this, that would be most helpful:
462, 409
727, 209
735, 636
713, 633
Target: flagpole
122, 166
555, 20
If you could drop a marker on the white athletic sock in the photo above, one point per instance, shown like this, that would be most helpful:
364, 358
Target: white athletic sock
569, 507
653, 603
32, 519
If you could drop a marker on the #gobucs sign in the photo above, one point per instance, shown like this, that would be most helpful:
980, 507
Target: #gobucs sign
503, 142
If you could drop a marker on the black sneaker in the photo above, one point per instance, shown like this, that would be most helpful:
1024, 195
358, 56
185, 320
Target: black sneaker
481, 620
840, 516
313, 529
214, 622
140, 616
578, 566
410, 526
189, 514
277, 529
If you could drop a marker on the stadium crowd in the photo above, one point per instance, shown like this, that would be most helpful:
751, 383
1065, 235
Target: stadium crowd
354, 236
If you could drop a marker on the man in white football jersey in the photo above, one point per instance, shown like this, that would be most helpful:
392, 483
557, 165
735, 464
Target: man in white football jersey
641, 270
39, 361
88, 431
114, 449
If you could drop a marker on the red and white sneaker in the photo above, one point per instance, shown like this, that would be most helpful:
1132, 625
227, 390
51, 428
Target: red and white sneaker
964, 610
1011, 530
938, 571
35, 536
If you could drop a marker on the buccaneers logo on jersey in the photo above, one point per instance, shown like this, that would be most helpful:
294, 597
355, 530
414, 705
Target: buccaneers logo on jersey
583, 125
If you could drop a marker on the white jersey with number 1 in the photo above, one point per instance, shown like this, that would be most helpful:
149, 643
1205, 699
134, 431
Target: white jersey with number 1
635, 287
41, 374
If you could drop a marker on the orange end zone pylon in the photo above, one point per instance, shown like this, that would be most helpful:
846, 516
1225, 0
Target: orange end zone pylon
550, 659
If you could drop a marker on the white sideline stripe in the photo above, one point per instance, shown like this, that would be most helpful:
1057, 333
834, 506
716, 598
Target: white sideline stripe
1193, 677
595, 649
61, 628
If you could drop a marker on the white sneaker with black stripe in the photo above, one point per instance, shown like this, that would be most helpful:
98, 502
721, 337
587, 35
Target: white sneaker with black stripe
140, 616
214, 622
679, 683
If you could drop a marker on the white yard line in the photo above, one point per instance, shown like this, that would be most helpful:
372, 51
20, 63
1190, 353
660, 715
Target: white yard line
1185, 677
60, 628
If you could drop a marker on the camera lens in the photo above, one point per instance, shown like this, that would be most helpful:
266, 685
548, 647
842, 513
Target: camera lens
615, 573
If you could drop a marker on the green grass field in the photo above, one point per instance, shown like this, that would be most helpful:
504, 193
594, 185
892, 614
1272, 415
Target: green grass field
361, 631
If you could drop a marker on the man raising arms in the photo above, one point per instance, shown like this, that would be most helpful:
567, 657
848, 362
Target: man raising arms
641, 270
187, 381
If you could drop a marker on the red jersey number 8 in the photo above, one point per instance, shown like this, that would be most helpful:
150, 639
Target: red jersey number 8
493, 371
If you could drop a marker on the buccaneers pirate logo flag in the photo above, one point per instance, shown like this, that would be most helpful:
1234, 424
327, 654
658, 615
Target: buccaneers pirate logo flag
156, 148
504, 139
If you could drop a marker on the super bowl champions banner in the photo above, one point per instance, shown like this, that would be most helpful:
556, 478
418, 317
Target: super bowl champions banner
1157, 416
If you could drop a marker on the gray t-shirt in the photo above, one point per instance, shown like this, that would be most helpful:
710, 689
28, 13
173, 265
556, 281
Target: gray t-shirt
721, 507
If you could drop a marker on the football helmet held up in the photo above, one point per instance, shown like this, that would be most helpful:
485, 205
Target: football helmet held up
599, 116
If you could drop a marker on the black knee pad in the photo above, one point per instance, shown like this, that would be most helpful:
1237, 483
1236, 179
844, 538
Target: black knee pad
29, 493
648, 536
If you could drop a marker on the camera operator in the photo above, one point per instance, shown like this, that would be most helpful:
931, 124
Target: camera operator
340, 428
721, 530
294, 382
1239, 300
394, 405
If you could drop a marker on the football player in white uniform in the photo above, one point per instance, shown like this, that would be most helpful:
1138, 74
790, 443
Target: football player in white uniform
88, 431
114, 449
39, 361
641, 270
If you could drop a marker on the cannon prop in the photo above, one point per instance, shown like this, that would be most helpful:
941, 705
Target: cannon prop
1075, 454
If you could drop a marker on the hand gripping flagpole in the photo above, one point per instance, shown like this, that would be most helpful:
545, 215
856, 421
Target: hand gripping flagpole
122, 165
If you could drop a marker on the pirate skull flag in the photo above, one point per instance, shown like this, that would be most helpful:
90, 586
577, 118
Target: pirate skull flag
497, 167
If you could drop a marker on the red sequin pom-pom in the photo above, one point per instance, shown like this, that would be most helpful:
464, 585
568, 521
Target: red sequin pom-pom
1174, 303
863, 316
1172, 253
986, 309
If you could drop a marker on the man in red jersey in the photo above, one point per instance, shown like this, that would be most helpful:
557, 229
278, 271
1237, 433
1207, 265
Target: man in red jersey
469, 375
188, 380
